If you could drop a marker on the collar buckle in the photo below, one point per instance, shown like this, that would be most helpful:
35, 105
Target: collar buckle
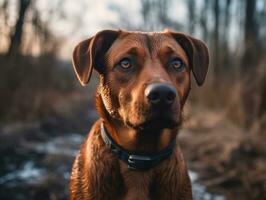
137, 162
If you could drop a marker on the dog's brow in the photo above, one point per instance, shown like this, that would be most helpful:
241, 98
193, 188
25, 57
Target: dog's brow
132, 50
169, 49
148, 42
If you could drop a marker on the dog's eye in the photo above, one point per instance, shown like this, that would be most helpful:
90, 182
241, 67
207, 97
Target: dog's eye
177, 64
125, 63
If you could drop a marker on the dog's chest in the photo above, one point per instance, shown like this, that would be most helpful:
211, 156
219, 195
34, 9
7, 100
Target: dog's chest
138, 184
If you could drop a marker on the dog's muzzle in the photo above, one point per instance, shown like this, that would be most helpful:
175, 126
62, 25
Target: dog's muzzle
160, 95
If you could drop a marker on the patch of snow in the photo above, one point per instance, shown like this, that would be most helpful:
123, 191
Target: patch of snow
199, 191
27, 173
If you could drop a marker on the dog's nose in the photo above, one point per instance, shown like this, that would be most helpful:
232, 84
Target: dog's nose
160, 94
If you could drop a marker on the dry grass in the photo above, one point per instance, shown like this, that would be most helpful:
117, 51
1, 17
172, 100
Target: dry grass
30, 86
229, 155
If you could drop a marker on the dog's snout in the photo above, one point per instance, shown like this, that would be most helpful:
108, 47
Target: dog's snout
160, 94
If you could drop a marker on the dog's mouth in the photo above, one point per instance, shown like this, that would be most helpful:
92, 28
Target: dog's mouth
163, 120
157, 120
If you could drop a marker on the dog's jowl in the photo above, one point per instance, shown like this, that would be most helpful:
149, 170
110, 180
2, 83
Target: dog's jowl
132, 152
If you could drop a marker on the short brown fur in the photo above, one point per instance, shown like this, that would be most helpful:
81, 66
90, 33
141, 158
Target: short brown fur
97, 173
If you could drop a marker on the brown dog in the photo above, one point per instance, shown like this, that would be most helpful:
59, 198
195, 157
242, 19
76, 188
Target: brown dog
130, 152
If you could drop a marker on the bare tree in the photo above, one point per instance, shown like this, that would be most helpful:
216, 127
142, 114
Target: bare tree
203, 20
225, 60
250, 37
16, 37
191, 15
249, 64
216, 38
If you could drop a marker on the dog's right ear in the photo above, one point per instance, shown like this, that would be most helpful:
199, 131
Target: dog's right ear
89, 54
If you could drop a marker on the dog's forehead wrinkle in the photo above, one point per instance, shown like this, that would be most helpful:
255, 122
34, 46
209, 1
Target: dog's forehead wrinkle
150, 41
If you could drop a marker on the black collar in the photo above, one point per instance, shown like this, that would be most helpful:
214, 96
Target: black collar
136, 161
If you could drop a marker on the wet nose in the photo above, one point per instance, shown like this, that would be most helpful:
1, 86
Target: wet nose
159, 94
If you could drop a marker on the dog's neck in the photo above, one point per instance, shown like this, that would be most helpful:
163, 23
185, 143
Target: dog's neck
131, 139
144, 140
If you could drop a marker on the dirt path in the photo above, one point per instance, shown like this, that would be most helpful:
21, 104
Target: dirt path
214, 148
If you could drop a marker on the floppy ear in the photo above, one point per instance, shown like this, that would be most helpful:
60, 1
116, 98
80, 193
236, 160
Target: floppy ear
89, 54
198, 54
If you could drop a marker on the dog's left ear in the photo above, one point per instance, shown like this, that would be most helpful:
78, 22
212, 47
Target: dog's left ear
90, 53
198, 54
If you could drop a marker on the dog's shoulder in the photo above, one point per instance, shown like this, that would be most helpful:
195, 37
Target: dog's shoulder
93, 146
94, 165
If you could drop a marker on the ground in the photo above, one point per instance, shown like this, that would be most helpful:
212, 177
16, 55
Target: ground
218, 151
36, 156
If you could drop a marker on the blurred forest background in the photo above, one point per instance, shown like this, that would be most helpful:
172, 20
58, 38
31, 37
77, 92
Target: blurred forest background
45, 114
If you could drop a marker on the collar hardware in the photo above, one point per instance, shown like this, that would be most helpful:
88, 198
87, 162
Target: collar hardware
139, 162
135, 161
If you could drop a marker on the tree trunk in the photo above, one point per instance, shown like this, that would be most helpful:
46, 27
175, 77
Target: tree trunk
250, 38
216, 38
249, 65
203, 20
191, 15
224, 57
16, 38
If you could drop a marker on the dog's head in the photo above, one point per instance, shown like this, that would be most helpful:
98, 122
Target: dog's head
144, 77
